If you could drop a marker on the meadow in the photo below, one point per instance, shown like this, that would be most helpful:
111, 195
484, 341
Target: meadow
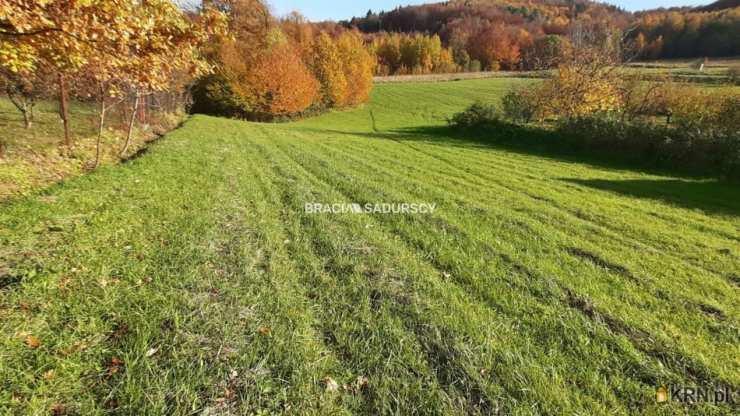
191, 280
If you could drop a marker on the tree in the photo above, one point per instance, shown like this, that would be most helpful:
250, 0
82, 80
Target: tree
328, 69
54, 33
495, 48
25, 88
282, 83
357, 65
544, 53
588, 79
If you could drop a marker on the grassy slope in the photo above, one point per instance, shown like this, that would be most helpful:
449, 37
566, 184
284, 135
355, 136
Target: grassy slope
538, 286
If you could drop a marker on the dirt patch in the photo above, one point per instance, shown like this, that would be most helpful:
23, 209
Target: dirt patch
734, 279
659, 350
593, 258
711, 311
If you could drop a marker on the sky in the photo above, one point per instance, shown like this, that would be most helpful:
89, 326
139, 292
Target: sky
344, 9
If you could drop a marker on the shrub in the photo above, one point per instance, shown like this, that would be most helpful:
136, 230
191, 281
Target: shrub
213, 95
728, 116
679, 146
519, 105
478, 114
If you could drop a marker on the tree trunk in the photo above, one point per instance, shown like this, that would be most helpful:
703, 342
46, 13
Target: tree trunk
27, 116
131, 121
64, 109
142, 110
101, 125
24, 104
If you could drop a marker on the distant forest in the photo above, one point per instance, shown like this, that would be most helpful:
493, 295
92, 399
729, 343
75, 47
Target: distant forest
514, 34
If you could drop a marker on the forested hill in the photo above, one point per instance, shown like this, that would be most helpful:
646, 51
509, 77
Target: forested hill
720, 5
550, 16
712, 30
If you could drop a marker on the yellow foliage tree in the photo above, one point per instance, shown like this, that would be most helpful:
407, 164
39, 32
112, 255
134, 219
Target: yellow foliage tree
328, 69
357, 65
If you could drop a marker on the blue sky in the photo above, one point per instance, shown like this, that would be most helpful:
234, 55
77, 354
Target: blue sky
343, 9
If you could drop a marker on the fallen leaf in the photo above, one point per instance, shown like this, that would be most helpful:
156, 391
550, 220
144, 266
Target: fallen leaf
330, 384
58, 409
265, 330
33, 342
228, 393
63, 283
151, 352
114, 366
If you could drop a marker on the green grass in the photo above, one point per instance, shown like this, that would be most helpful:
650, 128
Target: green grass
191, 280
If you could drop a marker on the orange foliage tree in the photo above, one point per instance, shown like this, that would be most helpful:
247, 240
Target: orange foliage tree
495, 47
283, 84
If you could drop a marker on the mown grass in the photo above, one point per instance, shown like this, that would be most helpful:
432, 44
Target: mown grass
192, 280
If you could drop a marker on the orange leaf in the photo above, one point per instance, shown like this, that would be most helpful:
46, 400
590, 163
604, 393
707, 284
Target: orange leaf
265, 330
33, 342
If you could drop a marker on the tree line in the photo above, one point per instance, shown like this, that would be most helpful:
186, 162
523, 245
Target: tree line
687, 33
527, 35
271, 68
111, 52
230, 57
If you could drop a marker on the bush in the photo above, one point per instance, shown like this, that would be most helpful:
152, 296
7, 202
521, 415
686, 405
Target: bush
685, 148
519, 105
478, 114
213, 95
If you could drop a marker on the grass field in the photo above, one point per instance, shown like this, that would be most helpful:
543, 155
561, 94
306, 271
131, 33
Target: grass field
192, 281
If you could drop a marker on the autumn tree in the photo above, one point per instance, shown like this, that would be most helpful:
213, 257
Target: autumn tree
328, 69
357, 65
60, 34
25, 88
588, 79
283, 85
495, 47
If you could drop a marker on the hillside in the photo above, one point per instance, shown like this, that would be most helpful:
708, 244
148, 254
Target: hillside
192, 280
720, 5
712, 31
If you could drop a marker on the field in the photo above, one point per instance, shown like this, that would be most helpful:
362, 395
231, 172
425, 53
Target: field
192, 280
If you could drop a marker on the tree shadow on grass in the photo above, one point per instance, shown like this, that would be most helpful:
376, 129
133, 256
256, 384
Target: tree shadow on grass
708, 196
688, 189
528, 140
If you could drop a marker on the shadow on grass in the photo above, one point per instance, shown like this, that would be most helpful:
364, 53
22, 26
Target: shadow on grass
708, 196
689, 189
527, 140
